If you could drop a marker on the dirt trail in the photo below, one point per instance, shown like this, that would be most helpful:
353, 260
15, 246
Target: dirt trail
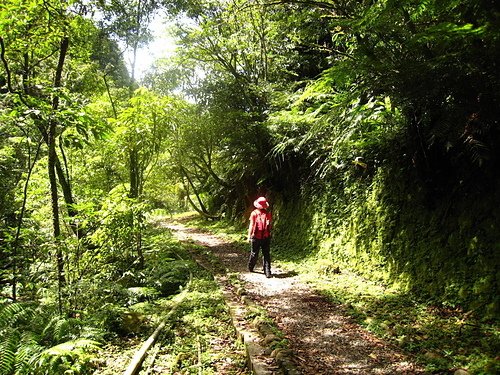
322, 338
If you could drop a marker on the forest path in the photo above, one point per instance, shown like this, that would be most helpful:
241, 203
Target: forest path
324, 340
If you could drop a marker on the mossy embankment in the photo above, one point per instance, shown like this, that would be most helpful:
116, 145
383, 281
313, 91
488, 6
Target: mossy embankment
384, 228
418, 267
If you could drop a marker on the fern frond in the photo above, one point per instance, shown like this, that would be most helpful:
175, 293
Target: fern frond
92, 333
74, 354
9, 313
27, 356
479, 151
8, 347
62, 329
70, 348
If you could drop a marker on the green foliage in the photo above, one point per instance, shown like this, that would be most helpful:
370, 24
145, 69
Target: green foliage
224, 146
168, 275
167, 271
441, 262
103, 301
73, 357
141, 293
18, 348
332, 131
31, 344
122, 222
382, 230
141, 133
210, 155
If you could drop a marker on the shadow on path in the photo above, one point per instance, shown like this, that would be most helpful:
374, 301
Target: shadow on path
284, 275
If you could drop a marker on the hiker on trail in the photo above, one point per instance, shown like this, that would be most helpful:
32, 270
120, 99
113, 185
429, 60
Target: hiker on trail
259, 235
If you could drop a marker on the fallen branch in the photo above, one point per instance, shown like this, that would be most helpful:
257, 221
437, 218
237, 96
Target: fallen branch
139, 356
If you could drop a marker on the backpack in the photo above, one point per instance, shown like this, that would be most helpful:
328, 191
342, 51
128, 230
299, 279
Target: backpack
262, 224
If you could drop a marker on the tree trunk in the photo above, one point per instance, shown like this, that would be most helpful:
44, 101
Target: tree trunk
64, 182
202, 210
138, 240
52, 158
134, 174
55, 202
135, 181
31, 165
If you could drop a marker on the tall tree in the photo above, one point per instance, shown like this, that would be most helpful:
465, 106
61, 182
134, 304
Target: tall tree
51, 145
35, 52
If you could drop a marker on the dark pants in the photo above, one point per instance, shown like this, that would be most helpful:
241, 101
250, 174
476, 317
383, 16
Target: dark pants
265, 245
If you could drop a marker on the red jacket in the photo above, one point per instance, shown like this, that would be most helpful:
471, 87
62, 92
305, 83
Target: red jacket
260, 224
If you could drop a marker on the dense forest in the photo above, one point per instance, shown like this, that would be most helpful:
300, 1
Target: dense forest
372, 127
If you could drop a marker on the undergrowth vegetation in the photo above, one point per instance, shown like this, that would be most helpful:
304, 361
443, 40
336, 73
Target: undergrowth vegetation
383, 228
201, 338
198, 338
36, 339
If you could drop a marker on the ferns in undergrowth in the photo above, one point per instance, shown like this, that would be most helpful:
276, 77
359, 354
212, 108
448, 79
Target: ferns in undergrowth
13, 313
28, 352
33, 343
13, 351
17, 350
76, 356
60, 329
8, 348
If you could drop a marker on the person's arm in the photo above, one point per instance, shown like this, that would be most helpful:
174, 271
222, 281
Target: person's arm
251, 227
